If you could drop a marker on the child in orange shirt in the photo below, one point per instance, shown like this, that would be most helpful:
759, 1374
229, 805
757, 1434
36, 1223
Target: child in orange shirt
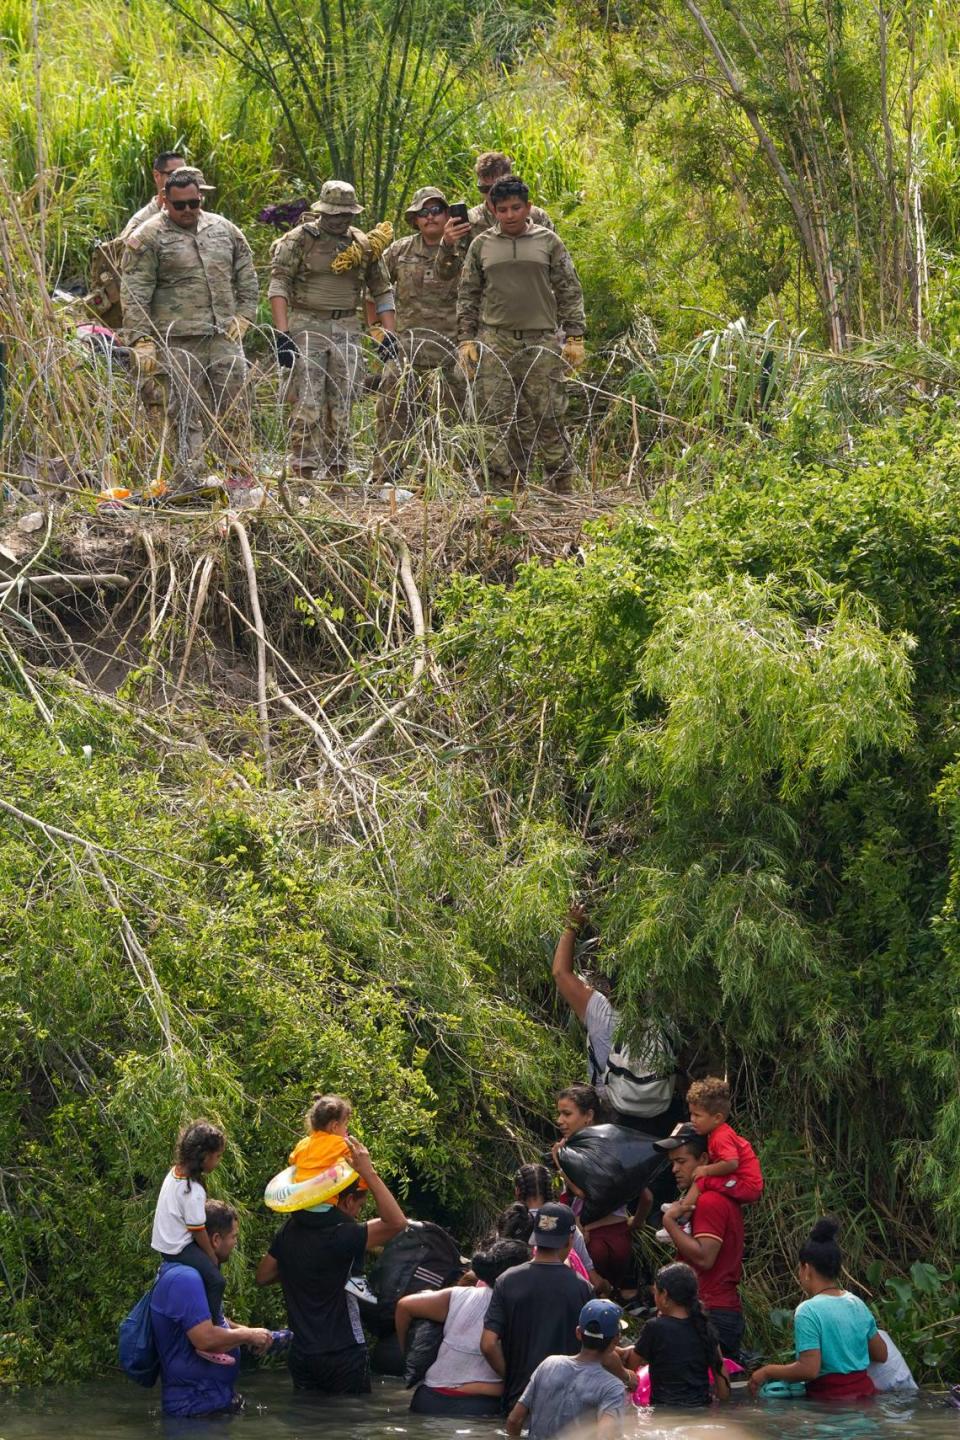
328, 1141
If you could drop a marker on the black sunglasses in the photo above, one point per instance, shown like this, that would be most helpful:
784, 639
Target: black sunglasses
484, 189
432, 210
185, 204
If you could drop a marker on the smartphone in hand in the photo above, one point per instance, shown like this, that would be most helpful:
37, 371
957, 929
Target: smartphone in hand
458, 211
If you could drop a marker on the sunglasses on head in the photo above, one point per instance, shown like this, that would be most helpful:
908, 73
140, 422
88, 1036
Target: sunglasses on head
185, 204
433, 210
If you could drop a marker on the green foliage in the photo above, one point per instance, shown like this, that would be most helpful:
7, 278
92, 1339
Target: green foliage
753, 697
275, 963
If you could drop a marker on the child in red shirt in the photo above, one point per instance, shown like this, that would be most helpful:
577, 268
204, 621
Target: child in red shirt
731, 1163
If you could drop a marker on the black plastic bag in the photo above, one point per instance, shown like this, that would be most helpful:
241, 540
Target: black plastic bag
422, 1257
611, 1165
424, 1339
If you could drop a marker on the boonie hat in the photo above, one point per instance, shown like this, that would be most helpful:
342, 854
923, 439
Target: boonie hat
600, 1319
555, 1224
682, 1134
336, 198
425, 193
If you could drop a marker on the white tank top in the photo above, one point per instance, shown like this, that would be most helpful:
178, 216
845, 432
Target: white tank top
459, 1361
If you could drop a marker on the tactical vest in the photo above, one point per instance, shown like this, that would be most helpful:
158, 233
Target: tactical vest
316, 287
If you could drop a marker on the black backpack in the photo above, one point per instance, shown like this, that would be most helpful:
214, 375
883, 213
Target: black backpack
422, 1257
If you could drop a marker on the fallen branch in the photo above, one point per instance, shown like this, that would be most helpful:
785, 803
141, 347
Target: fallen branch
262, 705
57, 584
415, 606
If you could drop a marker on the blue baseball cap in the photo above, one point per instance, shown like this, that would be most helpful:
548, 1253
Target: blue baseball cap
600, 1319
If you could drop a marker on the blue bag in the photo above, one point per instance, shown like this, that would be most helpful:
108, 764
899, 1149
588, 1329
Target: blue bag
139, 1357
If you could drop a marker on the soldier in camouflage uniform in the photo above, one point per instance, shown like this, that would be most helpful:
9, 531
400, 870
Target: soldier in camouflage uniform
319, 273
491, 166
189, 292
103, 297
519, 289
426, 330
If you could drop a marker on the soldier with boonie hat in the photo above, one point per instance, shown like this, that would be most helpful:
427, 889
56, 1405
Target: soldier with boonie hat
319, 273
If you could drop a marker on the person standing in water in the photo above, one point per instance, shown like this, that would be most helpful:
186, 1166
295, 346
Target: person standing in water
680, 1345
567, 1389
834, 1333
531, 1189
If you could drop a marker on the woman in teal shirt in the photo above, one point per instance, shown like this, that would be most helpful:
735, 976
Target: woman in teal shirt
835, 1335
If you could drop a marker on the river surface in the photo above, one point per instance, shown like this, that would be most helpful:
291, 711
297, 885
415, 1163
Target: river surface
118, 1410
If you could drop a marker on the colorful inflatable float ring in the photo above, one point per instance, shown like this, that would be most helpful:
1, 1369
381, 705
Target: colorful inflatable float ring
641, 1396
284, 1194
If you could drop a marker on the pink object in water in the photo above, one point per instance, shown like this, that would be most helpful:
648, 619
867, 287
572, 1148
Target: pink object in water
641, 1396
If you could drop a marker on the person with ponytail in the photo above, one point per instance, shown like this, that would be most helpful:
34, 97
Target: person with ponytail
608, 1238
531, 1188
680, 1344
835, 1335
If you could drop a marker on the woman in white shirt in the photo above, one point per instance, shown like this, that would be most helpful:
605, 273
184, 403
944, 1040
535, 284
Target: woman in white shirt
460, 1382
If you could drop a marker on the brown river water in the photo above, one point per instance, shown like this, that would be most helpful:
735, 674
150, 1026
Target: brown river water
118, 1410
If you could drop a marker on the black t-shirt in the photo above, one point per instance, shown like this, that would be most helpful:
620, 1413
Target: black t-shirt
678, 1361
534, 1309
315, 1254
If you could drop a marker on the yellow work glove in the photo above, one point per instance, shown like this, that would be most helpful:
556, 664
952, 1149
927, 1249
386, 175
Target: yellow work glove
573, 352
237, 327
348, 259
468, 358
380, 237
146, 353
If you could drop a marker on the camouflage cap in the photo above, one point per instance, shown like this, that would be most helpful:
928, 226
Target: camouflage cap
177, 176
425, 193
199, 177
336, 196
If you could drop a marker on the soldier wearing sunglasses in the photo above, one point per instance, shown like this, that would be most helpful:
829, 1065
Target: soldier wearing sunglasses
189, 292
426, 335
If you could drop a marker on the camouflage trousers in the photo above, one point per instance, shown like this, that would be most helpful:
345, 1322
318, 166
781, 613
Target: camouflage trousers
326, 380
197, 391
521, 402
432, 386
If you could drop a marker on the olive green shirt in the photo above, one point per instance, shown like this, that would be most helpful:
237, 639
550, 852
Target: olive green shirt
523, 282
175, 281
451, 258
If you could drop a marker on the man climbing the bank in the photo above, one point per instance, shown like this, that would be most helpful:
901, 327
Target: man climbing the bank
189, 293
518, 292
637, 1075
319, 274
426, 332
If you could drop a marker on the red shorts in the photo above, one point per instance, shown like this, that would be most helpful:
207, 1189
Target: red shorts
611, 1252
856, 1385
740, 1190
